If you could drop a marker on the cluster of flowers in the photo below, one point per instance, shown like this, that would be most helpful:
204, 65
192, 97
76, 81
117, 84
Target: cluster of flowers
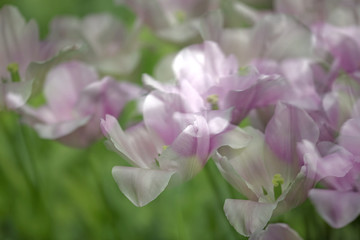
292, 71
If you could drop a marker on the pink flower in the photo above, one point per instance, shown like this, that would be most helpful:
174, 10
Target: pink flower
275, 171
19, 46
76, 101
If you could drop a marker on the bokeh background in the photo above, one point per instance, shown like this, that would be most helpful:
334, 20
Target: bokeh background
50, 191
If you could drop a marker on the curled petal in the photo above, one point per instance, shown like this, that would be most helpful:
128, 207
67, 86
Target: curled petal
189, 152
138, 145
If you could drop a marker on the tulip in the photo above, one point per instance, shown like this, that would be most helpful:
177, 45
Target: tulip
210, 81
171, 143
276, 170
339, 204
76, 101
19, 46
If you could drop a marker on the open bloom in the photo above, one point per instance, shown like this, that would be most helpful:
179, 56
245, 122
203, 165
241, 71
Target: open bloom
276, 170
210, 81
19, 46
169, 143
76, 101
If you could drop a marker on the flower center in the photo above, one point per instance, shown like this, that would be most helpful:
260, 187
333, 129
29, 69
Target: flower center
213, 99
13, 69
180, 16
277, 181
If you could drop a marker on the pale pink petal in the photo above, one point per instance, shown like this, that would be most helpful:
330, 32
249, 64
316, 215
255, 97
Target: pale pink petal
64, 84
289, 126
247, 216
140, 185
349, 136
276, 232
137, 144
190, 150
60, 129
336, 207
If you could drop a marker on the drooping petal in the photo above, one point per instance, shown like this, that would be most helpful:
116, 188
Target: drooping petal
140, 185
247, 216
336, 207
230, 175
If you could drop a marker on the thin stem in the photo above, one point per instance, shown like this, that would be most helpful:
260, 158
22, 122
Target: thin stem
219, 196
27, 159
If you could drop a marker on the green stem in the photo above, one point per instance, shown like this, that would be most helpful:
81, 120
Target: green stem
26, 158
219, 197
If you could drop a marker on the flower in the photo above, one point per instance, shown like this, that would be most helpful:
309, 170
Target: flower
210, 81
171, 143
19, 46
275, 171
339, 204
76, 101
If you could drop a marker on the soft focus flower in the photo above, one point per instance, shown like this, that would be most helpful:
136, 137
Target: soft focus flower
19, 46
338, 12
174, 20
76, 101
176, 138
210, 81
272, 36
110, 47
339, 204
344, 46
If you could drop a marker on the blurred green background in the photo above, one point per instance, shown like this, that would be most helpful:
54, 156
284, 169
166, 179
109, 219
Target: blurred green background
50, 191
